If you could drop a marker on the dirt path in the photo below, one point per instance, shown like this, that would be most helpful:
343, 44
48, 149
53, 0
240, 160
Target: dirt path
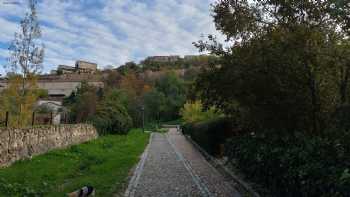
171, 166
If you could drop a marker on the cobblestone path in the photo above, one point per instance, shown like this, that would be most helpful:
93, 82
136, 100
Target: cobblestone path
171, 166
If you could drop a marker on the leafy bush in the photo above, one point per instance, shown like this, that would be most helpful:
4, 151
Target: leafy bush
341, 117
193, 112
174, 90
155, 104
82, 103
112, 115
209, 135
297, 165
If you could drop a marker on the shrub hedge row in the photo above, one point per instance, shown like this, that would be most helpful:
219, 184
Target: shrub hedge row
284, 165
297, 165
209, 135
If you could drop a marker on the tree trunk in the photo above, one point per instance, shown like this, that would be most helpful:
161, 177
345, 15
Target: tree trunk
314, 98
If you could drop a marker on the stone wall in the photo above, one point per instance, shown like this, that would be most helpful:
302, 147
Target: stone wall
17, 144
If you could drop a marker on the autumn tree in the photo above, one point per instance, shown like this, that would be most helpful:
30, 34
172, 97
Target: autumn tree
112, 79
26, 58
82, 103
135, 88
134, 85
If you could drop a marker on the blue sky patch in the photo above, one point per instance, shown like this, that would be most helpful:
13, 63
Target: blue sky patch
111, 32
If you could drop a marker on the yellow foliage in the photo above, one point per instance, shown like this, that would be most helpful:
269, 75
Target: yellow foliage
194, 112
19, 102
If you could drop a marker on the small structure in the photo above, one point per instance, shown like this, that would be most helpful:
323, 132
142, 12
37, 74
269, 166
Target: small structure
44, 110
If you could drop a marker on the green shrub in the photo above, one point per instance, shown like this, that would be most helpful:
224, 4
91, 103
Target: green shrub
298, 165
341, 117
112, 115
209, 135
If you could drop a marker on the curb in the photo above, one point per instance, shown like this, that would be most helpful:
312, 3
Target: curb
131, 189
223, 169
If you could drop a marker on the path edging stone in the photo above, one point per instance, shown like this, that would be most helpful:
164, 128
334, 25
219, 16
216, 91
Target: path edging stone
130, 191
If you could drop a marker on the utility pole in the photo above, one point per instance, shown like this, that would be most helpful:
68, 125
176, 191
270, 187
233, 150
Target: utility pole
7, 119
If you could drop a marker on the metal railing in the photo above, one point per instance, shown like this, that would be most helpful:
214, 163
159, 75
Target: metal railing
49, 118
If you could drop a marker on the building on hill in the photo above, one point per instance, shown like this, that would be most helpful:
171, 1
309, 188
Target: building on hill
63, 69
60, 86
163, 59
191, 57
85, 67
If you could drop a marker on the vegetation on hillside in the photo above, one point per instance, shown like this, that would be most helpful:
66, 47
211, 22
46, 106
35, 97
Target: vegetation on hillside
120, 104
195, 61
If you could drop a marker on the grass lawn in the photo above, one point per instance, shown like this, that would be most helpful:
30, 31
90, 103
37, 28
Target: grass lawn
103, 163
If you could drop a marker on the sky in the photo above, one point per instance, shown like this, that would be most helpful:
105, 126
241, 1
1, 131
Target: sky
110, 32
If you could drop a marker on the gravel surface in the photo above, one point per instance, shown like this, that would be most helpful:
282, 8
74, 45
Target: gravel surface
171, 167
215, 182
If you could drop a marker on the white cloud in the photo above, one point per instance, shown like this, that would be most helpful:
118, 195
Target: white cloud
116, 31
7, 30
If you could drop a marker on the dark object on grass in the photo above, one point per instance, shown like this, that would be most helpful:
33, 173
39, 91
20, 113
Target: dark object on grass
83, 192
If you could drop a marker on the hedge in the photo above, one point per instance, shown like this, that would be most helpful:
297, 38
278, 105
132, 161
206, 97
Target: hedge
298, 165
209, 135
285, 165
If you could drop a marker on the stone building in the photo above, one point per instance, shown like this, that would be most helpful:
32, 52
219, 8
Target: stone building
85, 67
164, 59
63, 69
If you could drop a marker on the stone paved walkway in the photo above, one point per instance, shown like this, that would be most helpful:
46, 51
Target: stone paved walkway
171, 166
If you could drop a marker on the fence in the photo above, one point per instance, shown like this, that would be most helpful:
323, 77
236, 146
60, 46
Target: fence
5, 122
51, 118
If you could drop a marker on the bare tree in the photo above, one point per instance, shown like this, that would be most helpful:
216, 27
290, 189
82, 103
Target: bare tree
26, 58
26, 54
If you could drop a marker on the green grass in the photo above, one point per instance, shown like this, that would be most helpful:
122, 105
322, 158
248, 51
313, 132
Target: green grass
103, 163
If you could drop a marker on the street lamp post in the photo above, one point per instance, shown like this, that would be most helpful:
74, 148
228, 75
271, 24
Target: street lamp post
143, 118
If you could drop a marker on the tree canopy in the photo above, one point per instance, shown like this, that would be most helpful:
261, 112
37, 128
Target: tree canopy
284, 64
